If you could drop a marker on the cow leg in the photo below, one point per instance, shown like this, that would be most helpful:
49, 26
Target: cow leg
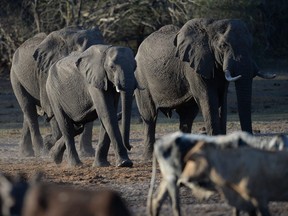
158, 201
174, 195
235, 212
264, 211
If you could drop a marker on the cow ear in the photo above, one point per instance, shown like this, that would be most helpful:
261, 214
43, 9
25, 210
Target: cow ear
91, 65
50, 50
192, 46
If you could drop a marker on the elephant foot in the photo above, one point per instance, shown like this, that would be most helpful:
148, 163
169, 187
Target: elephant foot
74, 162
100, 163
128, 146
57, 152
48, 142
124, 163
27, 153
26, 150
147, 156
87, 152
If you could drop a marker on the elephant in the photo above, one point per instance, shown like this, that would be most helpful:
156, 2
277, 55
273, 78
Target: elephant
189, 68
84, 86
29, 71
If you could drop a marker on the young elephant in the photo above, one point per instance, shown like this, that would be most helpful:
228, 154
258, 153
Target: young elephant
84, 86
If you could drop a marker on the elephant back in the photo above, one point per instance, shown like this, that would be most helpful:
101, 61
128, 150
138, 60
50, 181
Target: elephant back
23, 63
66, 83
157, 46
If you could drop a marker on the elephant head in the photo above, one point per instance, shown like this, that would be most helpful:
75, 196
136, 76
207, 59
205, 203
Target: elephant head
61, 43
225, 47
104, 66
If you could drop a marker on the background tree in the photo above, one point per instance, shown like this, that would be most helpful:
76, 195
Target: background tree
128, 22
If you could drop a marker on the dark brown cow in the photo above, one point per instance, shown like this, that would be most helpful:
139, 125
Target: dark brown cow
54, 200
34, 198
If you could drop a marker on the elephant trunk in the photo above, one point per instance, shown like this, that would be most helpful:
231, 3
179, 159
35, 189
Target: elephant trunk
244, 94
126, 103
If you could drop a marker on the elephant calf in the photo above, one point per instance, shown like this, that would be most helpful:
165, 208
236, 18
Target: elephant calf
85, 86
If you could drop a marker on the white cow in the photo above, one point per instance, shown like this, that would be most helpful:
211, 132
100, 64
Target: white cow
248, 178
170, 150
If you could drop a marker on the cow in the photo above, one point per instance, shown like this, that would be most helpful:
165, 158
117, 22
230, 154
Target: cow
46, 199
248, 178
55, 200
12, 192
170, 150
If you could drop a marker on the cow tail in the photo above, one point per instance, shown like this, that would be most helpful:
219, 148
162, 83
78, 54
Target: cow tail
152, 182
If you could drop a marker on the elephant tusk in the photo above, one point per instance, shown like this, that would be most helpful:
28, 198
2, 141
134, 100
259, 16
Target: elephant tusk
229, 78
265, 75
117, 89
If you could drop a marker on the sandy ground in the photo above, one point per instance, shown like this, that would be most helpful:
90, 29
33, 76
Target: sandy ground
270, 117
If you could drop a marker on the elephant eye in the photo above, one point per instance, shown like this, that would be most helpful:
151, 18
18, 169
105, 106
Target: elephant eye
224, 46
113, 67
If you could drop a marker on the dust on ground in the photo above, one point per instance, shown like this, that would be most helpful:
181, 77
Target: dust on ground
270, 117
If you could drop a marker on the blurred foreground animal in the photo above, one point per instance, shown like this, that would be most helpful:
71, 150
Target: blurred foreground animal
170, 151
42, 199
53, 200
12, 192
248, 178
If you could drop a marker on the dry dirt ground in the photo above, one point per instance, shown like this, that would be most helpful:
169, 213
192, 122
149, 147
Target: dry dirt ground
270, 117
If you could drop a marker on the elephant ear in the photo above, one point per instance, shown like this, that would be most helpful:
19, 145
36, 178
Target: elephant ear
192, 46
91, 65
50, 50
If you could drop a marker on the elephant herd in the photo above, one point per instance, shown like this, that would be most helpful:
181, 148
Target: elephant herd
72, 77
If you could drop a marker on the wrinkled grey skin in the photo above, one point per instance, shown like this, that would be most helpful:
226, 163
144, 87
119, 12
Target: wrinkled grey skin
82, 87
183, 69
30, 66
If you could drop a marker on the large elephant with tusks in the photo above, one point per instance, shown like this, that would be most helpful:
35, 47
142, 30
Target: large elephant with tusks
190, 68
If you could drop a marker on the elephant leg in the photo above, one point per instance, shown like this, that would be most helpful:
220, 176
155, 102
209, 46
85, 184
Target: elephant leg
28, 107
26, 149
57, 151
148, 114
104, 103
86, 149
223, 108
51, 139
209, 107
187, 114
68, 132
102, 149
